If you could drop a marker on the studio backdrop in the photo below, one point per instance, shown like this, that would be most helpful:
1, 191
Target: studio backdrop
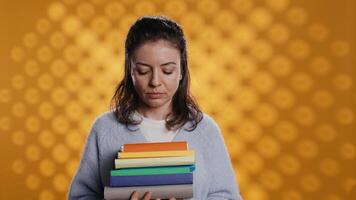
277, 75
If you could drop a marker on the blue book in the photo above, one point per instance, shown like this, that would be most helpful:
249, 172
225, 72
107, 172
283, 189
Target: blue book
145, 180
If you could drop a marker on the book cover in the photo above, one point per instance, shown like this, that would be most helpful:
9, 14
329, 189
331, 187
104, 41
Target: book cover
145, 180
184, 191
152, 154
150, 162
155, 146
153, 170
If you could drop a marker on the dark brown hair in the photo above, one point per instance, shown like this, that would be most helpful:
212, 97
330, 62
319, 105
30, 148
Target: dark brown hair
126, 100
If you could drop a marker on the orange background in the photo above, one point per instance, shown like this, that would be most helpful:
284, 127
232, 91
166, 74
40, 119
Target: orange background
277, 75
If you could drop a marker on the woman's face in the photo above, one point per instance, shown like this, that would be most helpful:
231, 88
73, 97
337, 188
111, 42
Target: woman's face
156, 73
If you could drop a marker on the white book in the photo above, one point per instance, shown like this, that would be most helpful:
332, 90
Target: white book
184, 191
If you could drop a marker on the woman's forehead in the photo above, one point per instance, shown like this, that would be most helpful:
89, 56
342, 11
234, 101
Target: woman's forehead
160, 42
156, 51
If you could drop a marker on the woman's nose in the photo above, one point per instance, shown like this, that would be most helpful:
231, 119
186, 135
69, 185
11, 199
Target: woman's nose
155, 79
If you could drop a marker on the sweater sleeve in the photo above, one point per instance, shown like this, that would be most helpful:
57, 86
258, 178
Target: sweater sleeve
87, 183
223, 184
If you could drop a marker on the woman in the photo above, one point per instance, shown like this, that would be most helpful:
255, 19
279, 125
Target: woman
153, 104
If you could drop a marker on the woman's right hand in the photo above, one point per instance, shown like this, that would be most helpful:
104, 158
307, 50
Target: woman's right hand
147, 196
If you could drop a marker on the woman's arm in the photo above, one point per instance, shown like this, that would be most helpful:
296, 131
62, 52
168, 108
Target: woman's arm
87, 183
223, 182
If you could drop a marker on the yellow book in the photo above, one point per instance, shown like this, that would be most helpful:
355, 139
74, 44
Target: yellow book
152, 154
154, 162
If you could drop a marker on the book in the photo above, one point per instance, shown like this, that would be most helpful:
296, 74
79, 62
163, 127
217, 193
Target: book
158, 179
155, 146
151, 154
153, 170
150, 162
184, 191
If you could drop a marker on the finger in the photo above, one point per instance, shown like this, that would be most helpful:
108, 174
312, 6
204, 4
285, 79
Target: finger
147, 196
134, 196
172, 198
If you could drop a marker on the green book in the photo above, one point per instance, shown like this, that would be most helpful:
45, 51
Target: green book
153, 170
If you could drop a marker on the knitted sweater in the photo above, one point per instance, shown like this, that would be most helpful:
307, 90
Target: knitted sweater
213, 177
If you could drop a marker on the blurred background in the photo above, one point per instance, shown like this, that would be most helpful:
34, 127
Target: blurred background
277, 75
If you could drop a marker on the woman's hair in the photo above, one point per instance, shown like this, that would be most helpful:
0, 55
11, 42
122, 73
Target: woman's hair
126, 101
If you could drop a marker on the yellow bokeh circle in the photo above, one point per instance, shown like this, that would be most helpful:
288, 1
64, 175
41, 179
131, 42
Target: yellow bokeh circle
46, 139
46, 110
286, 131
114, 10
32, 68
19, 109
47, 167
30, 40
33, 152
60, 182
310, 183
57, 11
18, 166
325, 132
271, 180
33, 124
74, 140
60, 153
288, 164
43, 26
58, 40
329, 167
18, 138
85, 10
32, 96
268, 147
283, 98
59, 96
60, 124
307, 148
18, 81
47, 195
33, 181
252, 162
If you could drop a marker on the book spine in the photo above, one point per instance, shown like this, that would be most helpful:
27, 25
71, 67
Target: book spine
153, 170
156, 146
150, 162
184, 191
145, 180
152, 154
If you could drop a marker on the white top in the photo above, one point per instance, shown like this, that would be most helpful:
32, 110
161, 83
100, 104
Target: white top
155, 130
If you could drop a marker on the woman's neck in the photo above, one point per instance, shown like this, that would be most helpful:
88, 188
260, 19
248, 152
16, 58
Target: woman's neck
159, 113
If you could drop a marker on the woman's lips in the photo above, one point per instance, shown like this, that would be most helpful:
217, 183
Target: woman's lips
155, 95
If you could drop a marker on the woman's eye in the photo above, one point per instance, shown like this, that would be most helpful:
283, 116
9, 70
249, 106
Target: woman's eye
142, 72
166, 72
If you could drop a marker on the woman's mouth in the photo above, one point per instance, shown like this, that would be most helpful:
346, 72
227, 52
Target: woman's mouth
154, 95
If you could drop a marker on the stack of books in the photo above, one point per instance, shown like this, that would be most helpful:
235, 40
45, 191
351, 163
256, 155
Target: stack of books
163, 168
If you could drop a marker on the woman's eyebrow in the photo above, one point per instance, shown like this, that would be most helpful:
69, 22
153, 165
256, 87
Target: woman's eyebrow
144, 64
169, 63
164, 64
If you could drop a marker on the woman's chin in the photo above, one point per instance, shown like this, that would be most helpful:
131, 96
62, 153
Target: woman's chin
155, 103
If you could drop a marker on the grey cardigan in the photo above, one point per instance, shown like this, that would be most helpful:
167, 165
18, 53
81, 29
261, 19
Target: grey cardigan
213, 177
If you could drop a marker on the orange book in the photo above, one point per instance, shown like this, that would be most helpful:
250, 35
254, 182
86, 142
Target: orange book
155, 146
